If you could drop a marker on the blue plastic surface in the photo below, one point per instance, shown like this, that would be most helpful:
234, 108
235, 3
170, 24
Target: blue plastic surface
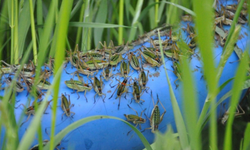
112, 134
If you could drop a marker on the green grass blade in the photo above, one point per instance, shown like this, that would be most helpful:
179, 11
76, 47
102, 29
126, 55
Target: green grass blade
204, 23
136, 16
161, 9
95, 25
84, 41
180, 125
235, 21
151, 15
33, 32
76, 8
121, 18
236, 92
3, 26
23, 26
39, 16
144, 12
100, 18
246, 141
30, 133
127, 5
79, 30
156, 12
80, 122
190, 105
173, 14
182, 8
60, 38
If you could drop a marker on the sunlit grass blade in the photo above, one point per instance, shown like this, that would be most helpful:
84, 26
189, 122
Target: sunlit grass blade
236, 92
100, 18
204, 23
190, 105
156, 12
180, 125
30, 133
80, 122
60, 38
135, 19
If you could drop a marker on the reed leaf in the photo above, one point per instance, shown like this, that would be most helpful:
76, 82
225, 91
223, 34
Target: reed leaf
80, 122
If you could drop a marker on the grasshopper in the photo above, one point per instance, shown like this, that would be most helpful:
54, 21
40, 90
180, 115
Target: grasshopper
66, 106
107, 72
176, 71
192, 43
124, 68
27, 70
133, 60
31, 110
143, 79
93, 54
222, 35
7, 69
137, 92
122, 48
190, 30
115, 59
151, 58
79, 86
187, 17
82, 69
121, 89
28, 84
95, 64
73, 56
19, 87
98, 85
50, 64
226, 114
155, 118
110, 47
135, 118
41, 84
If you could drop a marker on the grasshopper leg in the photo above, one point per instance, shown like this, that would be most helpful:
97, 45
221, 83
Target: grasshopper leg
94, 98
85, 96
78, 95
26, 120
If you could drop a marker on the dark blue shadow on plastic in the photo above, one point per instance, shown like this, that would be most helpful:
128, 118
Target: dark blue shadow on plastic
112, 134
